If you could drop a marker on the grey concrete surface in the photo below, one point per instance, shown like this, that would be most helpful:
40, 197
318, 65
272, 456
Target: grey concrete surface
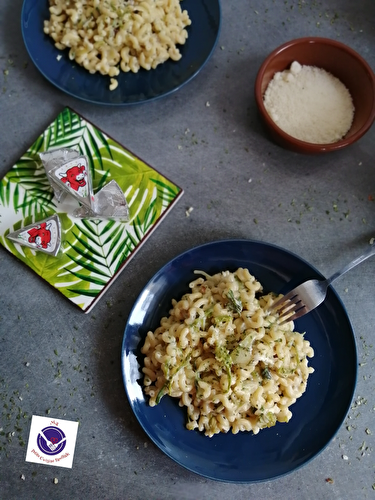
318, 207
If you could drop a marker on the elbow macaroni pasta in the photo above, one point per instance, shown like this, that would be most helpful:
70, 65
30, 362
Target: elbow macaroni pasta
108, 35
225, 357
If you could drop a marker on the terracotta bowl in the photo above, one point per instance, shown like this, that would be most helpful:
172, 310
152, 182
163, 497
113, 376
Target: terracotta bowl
336, 58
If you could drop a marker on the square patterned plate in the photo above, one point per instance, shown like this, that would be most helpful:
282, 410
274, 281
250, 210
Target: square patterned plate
94, 251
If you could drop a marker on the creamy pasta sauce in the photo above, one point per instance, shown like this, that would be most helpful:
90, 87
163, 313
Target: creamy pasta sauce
225, 357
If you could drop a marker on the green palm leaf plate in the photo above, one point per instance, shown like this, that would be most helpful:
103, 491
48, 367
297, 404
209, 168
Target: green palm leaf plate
94, 252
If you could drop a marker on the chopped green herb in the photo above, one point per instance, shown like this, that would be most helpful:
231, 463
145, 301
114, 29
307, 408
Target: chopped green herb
167, 386
234, 304
266, 373
161, 393
221, 320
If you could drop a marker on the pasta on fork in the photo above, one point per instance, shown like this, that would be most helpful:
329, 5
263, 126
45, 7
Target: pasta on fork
107, 36
225, 357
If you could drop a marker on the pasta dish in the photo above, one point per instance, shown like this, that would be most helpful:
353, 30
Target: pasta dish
225, 357
107, 36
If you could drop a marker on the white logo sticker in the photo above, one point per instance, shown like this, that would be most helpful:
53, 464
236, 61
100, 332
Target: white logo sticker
52, 441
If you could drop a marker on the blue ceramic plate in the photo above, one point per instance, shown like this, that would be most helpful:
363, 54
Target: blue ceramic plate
317, 415
133, 88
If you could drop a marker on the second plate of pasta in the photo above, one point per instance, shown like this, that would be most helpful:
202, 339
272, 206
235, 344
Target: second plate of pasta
122, 81
259, 450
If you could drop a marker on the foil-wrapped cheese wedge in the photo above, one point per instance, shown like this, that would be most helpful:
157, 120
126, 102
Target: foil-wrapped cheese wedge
44, 235
54, 158
74, 177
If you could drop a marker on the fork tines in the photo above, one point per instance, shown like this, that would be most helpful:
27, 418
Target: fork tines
289, 307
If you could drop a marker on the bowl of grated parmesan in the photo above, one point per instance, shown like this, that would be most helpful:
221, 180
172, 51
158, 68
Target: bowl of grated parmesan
315, 95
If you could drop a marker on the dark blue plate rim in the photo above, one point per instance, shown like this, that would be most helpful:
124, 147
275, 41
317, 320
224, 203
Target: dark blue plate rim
332, 306
52, 54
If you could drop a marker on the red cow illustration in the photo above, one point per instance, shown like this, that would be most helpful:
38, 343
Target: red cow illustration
74, 177
40, 235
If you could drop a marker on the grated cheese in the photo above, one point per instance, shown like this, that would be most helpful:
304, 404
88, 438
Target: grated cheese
309, 104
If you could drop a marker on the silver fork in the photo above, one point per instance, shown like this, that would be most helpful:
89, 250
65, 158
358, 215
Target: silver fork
309, 295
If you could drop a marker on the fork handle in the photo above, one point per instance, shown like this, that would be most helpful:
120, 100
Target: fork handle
368, 253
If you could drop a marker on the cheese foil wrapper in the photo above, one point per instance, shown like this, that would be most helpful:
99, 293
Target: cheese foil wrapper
74, 177
109, 203
43, 236
68, 172
54, 158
